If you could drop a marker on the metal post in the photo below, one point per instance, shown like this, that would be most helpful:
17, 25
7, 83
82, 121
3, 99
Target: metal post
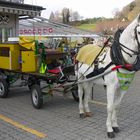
92, 94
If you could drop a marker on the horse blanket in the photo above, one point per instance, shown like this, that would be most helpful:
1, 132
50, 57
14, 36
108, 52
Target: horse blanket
88, 53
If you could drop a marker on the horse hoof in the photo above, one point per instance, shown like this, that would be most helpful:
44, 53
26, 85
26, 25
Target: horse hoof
110, 134
116, 129
88, 114
82, 115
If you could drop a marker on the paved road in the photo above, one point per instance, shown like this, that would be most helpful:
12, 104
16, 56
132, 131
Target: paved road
59, 119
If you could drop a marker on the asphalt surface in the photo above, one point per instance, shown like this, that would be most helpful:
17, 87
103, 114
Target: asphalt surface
59, 118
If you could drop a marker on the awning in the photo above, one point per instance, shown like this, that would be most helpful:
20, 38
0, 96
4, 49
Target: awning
20, 8
40, 26
19, 11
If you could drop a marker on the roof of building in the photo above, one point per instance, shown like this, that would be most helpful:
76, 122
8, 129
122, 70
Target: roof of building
20, 8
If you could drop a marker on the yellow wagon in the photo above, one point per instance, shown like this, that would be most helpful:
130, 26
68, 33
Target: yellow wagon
26, 64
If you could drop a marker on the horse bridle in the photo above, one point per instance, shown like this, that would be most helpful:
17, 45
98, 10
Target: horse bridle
134, 52
136, 37
136, 65
120, 60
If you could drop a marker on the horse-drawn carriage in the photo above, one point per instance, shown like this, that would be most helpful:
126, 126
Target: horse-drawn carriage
114, 68
32, 64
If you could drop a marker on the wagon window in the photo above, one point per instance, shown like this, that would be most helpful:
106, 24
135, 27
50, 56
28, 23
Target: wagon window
4, 51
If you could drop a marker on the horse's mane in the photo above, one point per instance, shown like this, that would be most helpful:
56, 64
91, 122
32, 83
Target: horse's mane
117, 34
116, 54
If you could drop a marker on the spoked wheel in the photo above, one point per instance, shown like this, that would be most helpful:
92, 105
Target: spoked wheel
3, 88
74, 91
36, 96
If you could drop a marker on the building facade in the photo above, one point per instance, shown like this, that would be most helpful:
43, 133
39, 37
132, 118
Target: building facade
16, 1
10, 11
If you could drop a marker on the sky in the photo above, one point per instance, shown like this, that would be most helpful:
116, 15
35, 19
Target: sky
85, 8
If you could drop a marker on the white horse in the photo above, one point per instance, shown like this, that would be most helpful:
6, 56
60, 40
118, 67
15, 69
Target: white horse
129, 43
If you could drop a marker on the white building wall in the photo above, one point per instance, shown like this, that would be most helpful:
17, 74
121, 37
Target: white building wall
9, 26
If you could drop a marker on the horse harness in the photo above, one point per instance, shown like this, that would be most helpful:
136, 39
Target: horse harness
117, 57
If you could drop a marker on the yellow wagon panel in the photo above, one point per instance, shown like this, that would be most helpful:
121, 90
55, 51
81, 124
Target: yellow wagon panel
9, 55
4, 62
28, 61
15, 60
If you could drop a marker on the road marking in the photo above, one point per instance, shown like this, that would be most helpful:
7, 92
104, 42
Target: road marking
25, 128
97, 102
91, 101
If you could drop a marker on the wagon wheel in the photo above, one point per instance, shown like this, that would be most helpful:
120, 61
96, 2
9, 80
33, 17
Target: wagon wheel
36, 96
74, 91
3, 88
31, 82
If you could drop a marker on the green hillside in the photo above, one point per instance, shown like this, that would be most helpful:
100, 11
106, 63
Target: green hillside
90, 27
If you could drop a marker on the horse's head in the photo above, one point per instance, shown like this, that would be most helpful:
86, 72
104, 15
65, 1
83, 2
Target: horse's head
131, 32
126, 45
138, 22
136, 32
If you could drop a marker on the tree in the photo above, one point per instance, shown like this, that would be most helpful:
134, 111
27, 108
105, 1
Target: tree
75, 16
65, 15
52, 17
116, 13
58, 16
108, 27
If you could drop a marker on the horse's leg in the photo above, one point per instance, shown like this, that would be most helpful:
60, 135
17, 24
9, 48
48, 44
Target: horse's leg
80, 94
88, 90
117, 102
111, 88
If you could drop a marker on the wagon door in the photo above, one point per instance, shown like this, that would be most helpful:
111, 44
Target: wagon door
28, 61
